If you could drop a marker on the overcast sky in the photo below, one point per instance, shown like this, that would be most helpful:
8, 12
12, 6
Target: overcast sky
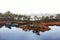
30, 7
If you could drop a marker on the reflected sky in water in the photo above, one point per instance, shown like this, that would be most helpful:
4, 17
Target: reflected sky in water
19, 34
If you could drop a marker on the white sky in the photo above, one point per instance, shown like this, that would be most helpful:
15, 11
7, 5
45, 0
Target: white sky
30, 7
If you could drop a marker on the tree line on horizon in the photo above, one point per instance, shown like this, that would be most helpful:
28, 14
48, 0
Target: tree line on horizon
19, 17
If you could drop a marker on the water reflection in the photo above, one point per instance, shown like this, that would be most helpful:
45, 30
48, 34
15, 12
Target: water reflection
35, 29
23, 32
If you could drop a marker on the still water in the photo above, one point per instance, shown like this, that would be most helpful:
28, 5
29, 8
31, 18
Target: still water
19, 34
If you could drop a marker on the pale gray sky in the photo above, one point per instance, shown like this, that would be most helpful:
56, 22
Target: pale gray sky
30, 7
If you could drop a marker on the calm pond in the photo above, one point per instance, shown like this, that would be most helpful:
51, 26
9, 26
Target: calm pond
19, 34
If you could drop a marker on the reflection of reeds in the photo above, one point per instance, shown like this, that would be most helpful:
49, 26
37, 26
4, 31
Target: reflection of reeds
35, 27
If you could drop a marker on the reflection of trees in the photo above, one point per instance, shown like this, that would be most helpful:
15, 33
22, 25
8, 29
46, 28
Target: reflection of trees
1, 25
8, 25
36, 30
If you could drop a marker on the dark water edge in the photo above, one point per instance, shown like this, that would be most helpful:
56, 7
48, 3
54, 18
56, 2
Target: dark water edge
18, 34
